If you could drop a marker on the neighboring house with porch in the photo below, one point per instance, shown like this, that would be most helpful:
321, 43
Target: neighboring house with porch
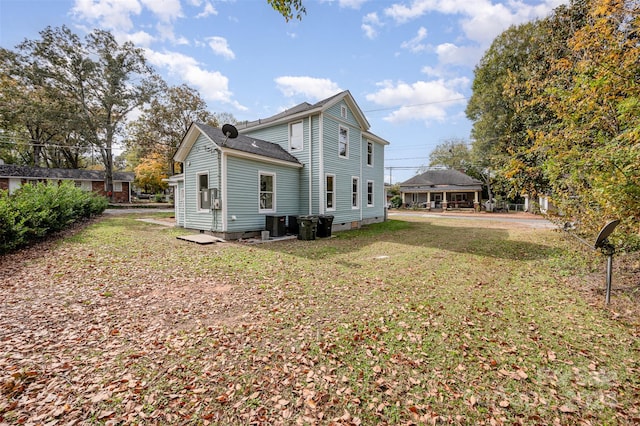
13, 177
442, 189
312, 159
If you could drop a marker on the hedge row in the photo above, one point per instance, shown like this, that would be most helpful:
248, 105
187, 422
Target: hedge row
35, 211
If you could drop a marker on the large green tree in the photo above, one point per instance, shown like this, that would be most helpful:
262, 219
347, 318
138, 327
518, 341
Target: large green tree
452, 154
594, 151
164, 122
100, 80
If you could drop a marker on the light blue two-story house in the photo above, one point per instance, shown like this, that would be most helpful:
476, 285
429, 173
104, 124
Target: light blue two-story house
312, 159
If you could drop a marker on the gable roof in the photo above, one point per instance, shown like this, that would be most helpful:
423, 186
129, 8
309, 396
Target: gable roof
29, 172
444, 177
305, 109
242, 144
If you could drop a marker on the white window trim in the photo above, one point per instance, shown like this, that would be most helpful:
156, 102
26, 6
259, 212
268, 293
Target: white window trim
343, 111
370, 144
373, 193
198, 206
291, 148
357, 193
273, 192
326, 192
347, 144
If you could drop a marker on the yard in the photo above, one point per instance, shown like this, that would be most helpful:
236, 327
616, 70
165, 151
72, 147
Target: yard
415, 321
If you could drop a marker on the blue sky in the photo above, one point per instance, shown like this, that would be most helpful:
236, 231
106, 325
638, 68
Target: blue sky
408, 63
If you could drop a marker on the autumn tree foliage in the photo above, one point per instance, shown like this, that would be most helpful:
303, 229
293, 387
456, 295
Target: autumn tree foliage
163, 123
150, 174
555, 108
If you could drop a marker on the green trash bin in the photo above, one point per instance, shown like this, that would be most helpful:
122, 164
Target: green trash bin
325, 221
307, 226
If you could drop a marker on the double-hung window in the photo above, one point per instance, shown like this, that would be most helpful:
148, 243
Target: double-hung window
267, 192
355, 193
369, 193
204, 202
330, 192
343, 141
369, 153
295, 136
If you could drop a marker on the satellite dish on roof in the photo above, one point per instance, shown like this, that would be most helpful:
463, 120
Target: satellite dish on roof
229, 131
602, 241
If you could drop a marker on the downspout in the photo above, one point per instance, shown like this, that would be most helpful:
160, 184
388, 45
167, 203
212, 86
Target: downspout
310, 165
222, 183
361, 177
321, 194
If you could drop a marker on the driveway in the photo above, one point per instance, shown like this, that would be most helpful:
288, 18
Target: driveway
528, 219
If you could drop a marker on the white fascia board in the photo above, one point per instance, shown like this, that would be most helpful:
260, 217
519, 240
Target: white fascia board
375, 138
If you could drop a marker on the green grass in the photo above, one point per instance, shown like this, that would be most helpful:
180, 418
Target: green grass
405, 322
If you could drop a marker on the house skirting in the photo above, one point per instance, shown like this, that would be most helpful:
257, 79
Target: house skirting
336, 227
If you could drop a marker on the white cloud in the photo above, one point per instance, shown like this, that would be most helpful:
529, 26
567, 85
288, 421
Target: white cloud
140, 38
415, 44
450, 54
310, 87
109, 14
352, 4
212, 85
207, 11
165, 10
165, 30
220, 47
426, 101
481, 20
370, 22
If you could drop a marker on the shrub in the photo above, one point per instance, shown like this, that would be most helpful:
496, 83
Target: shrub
35, 211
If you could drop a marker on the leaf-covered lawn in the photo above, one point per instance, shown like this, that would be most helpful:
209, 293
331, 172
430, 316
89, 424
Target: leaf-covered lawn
407, 322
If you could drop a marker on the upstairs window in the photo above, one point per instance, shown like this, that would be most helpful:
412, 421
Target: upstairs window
369, 153
343, 142
343, 111
295, 136
267, 192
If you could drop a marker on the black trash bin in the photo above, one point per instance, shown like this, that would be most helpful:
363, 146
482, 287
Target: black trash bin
292, 225
307, 226
275, 225
324, 225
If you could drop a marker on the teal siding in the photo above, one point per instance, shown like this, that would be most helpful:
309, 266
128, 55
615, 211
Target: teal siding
203, 158
343, 168
242, 193
336, 110
295, 188
280, 134
376, 174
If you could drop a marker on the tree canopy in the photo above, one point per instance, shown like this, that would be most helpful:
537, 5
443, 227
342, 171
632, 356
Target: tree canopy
88, 85
556, 107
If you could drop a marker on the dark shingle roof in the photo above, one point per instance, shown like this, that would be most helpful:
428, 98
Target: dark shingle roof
28, 172
441, 177
305, 106
247, 144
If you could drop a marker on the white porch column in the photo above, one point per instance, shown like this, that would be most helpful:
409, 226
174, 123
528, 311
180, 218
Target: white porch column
428, 200
444, 200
